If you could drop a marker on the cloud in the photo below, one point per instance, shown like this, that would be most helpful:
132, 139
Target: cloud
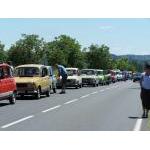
106, 27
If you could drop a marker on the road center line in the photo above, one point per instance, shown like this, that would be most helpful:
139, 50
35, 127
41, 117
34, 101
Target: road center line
102, 90
138, 125
16, 122
74, 100
84, 96
44, 111
93, 92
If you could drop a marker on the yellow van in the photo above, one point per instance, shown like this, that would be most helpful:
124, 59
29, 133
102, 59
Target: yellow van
32, 79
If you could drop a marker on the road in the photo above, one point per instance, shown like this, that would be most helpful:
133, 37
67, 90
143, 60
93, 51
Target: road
116, 107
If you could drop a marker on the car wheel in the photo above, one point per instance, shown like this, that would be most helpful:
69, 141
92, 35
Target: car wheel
48, 93
94, 85
80, 85
12, 99
38, 94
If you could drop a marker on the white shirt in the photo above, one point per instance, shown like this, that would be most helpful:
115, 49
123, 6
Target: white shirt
146, 82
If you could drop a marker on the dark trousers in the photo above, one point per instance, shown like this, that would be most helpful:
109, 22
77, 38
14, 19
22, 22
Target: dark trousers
63, 83
145, 97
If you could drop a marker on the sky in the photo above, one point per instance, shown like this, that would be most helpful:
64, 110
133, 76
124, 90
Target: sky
123, 36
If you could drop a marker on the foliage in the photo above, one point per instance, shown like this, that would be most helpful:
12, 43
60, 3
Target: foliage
3, 54
65, 50
29, 49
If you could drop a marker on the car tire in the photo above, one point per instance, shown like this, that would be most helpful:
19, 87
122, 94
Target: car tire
80, 85
12, 99
38, 94
48, 93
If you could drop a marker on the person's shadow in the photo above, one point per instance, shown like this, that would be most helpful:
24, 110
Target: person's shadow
134, 117
4, 104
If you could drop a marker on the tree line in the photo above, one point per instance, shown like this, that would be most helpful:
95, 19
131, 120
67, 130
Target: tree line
63, 50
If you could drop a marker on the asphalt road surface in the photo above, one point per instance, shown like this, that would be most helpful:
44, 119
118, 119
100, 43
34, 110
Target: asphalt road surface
116, 107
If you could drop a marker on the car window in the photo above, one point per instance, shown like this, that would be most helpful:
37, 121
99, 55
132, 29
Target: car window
71, 72
7, 72
88, 72
44, 72
100, 72
1, 73
27, 71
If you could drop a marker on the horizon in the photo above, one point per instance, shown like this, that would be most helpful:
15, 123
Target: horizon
123, 36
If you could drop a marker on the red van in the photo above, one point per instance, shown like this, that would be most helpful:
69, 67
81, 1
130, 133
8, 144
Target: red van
7, 83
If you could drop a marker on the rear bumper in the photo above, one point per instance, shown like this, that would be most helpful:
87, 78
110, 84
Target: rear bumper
26, 91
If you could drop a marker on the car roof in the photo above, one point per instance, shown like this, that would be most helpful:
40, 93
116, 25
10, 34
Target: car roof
31, 65
89, 69
3, 64
99, 69
72, 68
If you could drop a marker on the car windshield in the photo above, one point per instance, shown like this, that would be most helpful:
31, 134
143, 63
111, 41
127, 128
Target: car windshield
138, 74
88, 72
100, 72
71, 72
1, 72
27, 72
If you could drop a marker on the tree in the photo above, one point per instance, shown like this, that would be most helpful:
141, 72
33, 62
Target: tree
29, 49
65, 50
99, 57
3, 54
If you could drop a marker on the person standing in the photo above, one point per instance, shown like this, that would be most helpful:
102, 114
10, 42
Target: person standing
145, 90
63, 73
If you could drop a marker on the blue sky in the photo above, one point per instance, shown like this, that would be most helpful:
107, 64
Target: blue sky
123, 36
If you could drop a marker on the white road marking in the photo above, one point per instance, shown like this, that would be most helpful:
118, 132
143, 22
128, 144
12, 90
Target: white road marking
102, 90
138, 125
74, 100
16, 122
93, 92
84, 96
44, 111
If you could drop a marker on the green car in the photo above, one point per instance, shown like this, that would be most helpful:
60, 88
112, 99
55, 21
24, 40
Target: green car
101, 77
107, 77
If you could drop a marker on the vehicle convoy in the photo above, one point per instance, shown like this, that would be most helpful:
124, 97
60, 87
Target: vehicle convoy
100, 74
53, 79
89, 77
74, 79
7, 84
32, 79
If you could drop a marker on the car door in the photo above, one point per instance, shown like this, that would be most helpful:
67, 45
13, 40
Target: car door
45, 79
2, 85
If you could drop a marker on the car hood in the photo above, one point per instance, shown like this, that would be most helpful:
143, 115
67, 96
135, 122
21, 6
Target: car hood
88, 76
26, 79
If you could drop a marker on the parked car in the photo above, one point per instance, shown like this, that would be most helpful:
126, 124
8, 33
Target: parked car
74, 79
89, 77
113, 76
7, 84
107, 77
119, 75
53, 79
32, 79
100, 74
137, 76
